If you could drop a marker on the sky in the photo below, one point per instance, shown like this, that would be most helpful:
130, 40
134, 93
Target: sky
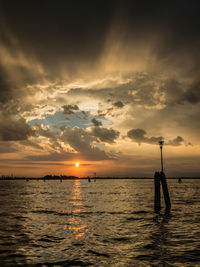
99, 83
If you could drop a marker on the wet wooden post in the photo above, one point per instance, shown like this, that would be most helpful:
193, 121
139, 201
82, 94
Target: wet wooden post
157, 206
161, 143
165, 191
160, 177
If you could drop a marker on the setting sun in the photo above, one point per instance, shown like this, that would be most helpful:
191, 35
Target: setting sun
77, 164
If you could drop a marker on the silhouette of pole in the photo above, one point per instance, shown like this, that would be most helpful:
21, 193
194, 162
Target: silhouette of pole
160, 177
165, 191
157, 205
161, 143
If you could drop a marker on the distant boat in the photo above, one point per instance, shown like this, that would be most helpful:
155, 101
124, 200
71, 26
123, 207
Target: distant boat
179, 180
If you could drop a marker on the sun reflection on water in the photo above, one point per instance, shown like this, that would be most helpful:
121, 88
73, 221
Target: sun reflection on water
75, 224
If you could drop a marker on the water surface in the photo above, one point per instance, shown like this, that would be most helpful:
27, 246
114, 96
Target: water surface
102, 223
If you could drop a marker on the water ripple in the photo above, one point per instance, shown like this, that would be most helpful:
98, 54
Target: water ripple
107, 223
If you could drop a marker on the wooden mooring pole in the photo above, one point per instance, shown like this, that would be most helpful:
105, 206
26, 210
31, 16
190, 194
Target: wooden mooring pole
157, 206
160, 178
165, 191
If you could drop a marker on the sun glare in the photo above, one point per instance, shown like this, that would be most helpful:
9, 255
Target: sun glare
77, 164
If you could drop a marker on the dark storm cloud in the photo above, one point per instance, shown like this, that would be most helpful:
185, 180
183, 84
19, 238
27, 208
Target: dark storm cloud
175, 25
5, 88
177, 92
176, 141
192, 95
153, 101
139, 90
71, 32
59, 31
96, 122
69, 109
12, 129
16, 72
45, 131
82, 141
77, 30
140, 136
77, 138
52, 136
118, 104
105, 135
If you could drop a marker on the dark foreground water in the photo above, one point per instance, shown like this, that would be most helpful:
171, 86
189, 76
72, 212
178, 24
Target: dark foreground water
107, 223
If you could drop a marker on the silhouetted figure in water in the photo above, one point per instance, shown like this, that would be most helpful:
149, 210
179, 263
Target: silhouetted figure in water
179, 180
89, 180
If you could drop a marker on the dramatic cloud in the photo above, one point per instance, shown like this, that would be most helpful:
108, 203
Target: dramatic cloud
77, 138
14, 130
192, 95
118, 104
105, 135
82, 141
176, 141
45, 131
96, 122
69, 109
70, 87
140, 136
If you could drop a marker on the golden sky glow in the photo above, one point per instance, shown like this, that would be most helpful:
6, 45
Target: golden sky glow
104, 96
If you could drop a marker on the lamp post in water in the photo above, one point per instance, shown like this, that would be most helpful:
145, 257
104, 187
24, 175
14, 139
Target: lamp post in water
161, 143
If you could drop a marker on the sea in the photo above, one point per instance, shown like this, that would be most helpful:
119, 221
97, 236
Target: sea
102, 223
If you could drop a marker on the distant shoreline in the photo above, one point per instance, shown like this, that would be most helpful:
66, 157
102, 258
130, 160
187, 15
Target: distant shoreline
86, 178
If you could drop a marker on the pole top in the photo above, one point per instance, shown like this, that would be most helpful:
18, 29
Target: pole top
161, 143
